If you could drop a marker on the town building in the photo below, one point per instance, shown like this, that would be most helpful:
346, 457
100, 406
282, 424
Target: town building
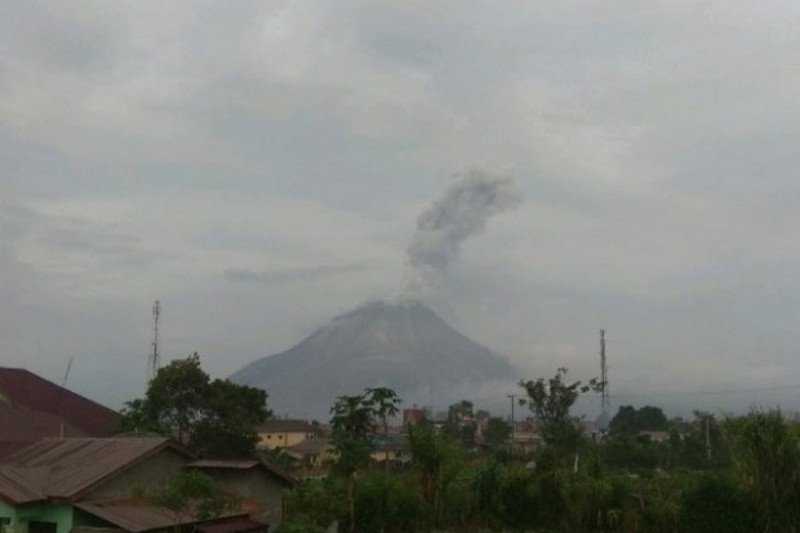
285, 433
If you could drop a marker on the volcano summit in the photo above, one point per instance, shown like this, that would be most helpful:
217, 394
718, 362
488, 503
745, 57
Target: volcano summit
405, 346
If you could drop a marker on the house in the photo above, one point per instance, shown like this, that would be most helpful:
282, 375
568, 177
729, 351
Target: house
82, 484
313, 457
654, 436
413, 416
284, 433
259, 484
33, 408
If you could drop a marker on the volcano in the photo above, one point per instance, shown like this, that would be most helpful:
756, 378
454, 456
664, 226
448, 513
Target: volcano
405, 346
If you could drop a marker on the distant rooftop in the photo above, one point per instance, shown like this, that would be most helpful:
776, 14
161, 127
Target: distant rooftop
22, 388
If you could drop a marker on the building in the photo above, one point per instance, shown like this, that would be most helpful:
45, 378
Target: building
413, 416
313, 456
33, 408
259, 484
284, 433
82, 484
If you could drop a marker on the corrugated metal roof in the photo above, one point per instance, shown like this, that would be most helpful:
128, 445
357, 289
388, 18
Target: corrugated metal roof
138, 516
235, 525
72, 466
22, 427
287, 426
20, 485
22, 388
245, 464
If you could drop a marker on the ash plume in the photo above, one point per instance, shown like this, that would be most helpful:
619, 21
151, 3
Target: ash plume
461, 213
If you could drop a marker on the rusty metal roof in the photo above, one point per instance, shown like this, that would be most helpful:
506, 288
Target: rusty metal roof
279, 425
244, 464
233, 525
66, 468
22, 388
138, 516
19, 486
23, 427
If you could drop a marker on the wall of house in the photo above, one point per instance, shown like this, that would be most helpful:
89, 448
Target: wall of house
284, 439
152, 473
256, 485
60, 515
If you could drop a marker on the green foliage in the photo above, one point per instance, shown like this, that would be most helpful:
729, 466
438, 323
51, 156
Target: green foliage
631, 421
315, 504
387, 503
717, 503
551, 401
768, 461
498, 432
214, 418
438, 459
193, 492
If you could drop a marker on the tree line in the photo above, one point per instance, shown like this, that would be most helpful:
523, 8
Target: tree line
732, 474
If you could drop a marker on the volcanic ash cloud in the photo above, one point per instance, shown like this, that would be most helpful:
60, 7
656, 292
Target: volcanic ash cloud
462, 212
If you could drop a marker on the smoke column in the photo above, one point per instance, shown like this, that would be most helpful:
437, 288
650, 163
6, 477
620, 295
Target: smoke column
461, 213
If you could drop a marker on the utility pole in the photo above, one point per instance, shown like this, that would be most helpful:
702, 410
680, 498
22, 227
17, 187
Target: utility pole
513, 398
154, 358
708, 438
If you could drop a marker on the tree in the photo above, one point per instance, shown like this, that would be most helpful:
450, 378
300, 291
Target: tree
194, 494
461, 422
551, 401
768, 462
384, 403
438, 460
630, 420
498, 432
214, 418
352, 424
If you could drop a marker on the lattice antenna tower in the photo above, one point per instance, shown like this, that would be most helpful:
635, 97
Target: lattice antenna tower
604, 403
155, 357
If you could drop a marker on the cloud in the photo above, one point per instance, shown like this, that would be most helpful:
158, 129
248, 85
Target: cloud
305, 274
147, 147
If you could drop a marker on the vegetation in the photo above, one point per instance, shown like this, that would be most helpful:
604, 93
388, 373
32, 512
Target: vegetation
735, 475
193, 493
213, 418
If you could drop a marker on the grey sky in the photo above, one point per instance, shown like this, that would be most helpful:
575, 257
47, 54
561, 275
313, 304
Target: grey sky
259, 167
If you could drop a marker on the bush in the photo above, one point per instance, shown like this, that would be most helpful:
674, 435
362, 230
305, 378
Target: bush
717, 504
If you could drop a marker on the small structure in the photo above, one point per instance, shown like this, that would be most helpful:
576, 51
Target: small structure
285, 433
89, 484
413, 416
259, 484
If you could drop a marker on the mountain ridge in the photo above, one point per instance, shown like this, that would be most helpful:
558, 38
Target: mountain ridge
403, 345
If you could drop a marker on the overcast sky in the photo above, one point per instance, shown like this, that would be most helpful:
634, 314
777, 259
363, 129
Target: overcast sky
259, 167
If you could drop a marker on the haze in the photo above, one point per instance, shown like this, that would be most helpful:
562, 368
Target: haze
259, 167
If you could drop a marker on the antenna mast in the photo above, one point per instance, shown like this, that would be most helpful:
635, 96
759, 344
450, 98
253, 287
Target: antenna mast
603, 374
155, 357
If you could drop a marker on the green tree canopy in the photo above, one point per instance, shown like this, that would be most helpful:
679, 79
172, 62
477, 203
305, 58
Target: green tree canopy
214, 418
551, 401
630, 420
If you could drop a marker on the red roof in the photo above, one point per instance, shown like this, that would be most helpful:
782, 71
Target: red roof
23, 427
22, 388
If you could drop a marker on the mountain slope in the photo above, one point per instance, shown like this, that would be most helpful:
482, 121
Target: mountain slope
405, 346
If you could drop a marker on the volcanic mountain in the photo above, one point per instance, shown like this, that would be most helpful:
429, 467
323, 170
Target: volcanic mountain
405, 346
